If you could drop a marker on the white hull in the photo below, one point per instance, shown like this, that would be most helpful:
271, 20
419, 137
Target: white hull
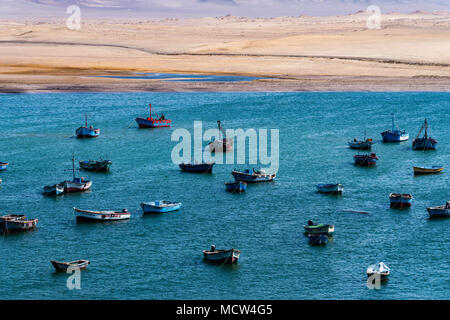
87, 215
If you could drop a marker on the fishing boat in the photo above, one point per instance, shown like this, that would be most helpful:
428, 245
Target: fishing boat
440, 211
150, 122
160, 206
221, 256
330, 188
361, 144
365, 159
3, 166
221, 145
236, 186
394, 135
317, 239
399, 200
426, 142
16, 223
319, 228
54, 190
428, 170
253, 175
380, 269
76, 184
96, 165
63, 266
87, 132
197, 167
89, 215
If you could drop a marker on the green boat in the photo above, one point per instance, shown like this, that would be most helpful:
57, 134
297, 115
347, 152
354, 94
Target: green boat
319, 228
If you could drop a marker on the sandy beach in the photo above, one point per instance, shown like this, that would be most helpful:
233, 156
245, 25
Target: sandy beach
411, 52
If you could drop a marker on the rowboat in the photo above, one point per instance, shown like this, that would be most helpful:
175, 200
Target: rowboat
221, 145
96, 165
365, 159
76, 184
237, 186
394, 135
87, 132
197, 167
428, 170
317, 239
330, 188
160, 206
313, 228
63, 266
398, 200
440, 211
89, 215
16, 223
54, 190
221, 256
424, 143
3, 166
252, 176
361, 144
151, 122
380, 269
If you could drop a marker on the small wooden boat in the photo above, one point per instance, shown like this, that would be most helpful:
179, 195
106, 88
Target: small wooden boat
160, 206
87, 132
197, 167
394, 135
76, 184
314, 228
89, 215
317, 239
365, 159
221, 256
221, 145
361, 144
424, 143
428, 170
440, 211
252, 176
399, 200
150, 122
3, 166
63, 266
16, 223
96, 165
237, 186
54, 190
330, 188
379, 269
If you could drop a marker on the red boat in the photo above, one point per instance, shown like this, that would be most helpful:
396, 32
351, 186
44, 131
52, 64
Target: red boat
153, 122
365, 159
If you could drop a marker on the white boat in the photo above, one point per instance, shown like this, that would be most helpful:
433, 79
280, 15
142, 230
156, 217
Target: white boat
160, 206
89, 215
77, 185
380, 269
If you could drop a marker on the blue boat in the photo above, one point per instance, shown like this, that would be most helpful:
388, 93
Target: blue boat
3, 166
424, 143
87, 132
317, 239
160, 206
399, 201
330, 188
252, 175
394, 135
151, 122
237, 186
197, 167
440, 211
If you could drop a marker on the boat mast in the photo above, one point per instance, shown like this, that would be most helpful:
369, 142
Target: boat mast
73, 167
426, 128
221, 130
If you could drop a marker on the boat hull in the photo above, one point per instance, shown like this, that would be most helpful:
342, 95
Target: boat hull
152, 123
3, 166
427, 170
400, 201
317, 239
63, 266
222, 256
98, 216
365, 160
360, 145
237, 186
439, 212
85, 132
330, 188
74, 186
54, 190
394, 136
19, 225
154, 208
320, 229
424, 144
197, 168
251, 178
96, 166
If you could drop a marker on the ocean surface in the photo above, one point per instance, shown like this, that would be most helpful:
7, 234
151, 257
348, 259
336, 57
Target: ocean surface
160, 256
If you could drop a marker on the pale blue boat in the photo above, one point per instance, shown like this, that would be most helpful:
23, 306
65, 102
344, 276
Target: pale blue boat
160, 206
3, 166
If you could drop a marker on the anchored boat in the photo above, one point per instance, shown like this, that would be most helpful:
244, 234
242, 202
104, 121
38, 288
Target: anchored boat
394, 135
428, 170
330, 188
3, 166
160, 206
253, 176
54, 190
150, 122
76, 184
221, 145
314, 228
237, 186
365, 159
365, 144
380, 269
424, 143
399, 200
16, 223
87, 132
63, 266
440, 211
89, 215
197, 167
96, 165
221, 256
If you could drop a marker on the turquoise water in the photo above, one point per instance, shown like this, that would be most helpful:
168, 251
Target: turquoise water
159, 257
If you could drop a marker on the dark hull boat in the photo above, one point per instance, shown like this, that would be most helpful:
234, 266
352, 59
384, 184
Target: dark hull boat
197, 167
252, 176
330, 188
16, 223
54, 190
315, 229
87, 132
428, 170
221, 256
394, 135
237, 186
63, 266
424, 143
151, 122
400, 201
317, 239
96, 165
440, 211
365, 159
3, 166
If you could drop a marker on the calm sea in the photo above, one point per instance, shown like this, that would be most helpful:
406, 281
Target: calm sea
160, 257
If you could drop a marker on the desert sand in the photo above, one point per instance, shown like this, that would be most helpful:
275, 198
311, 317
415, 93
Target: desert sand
410, 52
